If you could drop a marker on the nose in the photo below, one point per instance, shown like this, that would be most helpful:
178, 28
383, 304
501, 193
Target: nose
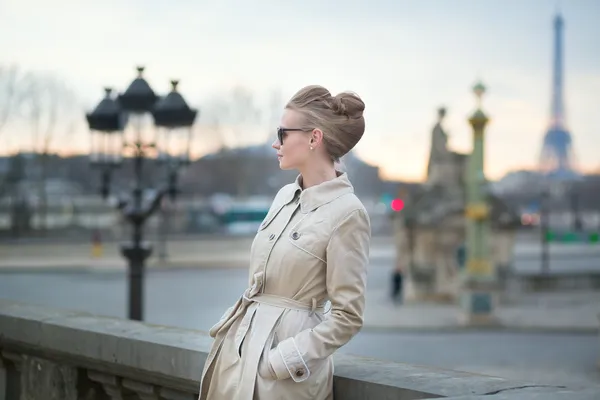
276, 145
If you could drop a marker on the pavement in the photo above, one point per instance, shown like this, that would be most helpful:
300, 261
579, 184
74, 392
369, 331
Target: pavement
574, 312
205, 253
53, 255
543, 312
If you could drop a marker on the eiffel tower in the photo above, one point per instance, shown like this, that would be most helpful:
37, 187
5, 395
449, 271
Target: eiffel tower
557, 159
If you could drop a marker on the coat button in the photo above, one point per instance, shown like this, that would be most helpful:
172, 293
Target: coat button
300, 373
271, 236
295, 235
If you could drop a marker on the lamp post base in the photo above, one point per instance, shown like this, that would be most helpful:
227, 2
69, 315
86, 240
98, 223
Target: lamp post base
136, 255
479, 307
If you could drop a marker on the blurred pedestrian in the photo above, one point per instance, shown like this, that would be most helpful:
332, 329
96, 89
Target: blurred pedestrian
312, 247
397, 283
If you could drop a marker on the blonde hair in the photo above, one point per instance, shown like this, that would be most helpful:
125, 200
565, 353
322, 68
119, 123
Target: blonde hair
339, 117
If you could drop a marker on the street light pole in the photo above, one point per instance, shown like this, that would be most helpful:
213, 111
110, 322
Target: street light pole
108, 119
575, 209
137, 101
479, 285
137, 252
544, 230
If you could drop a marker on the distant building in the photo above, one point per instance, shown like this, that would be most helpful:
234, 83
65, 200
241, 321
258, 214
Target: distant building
522, 181
253, 170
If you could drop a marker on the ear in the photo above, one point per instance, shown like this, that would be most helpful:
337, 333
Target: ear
316, 137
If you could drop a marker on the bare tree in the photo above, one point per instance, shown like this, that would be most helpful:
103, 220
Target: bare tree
234, 118
239, 115
50, 112
12, 93
231, 121
238, 118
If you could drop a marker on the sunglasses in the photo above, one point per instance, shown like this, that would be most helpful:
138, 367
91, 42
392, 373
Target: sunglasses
282, 132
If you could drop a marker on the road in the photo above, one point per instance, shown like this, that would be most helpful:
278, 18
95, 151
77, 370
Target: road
192, 250
196, 298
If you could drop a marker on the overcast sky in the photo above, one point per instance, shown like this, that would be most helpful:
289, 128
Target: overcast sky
405, 58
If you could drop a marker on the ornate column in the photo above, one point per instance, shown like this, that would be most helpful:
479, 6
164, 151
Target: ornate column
478, 297
11, 367
119, 388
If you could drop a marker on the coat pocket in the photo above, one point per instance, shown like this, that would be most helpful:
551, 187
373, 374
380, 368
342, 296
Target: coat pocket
293, 322
311, 237
265, 370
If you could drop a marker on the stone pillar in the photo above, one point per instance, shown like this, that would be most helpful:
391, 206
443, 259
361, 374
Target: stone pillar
10, 375
112, 385
478, 297
419, 272
447, 278
3, 381
43, 379
25, 377
119, 388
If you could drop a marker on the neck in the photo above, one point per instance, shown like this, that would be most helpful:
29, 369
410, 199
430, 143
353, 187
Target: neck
315, 176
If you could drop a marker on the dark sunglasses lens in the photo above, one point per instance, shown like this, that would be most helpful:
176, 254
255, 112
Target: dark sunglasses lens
280, 135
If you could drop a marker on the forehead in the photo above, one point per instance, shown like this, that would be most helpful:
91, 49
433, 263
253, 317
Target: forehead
291, 119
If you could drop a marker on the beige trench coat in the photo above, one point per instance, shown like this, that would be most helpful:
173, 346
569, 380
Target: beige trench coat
276, 341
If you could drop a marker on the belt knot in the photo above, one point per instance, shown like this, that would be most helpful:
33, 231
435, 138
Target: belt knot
255, 288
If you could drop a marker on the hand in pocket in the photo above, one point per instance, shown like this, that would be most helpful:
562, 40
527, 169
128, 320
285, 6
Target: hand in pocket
264, 367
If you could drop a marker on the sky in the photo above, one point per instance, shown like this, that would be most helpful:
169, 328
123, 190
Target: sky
404, 58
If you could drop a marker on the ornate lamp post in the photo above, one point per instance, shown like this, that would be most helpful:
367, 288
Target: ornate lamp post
106, 124
174, 119
138, 139
478, 297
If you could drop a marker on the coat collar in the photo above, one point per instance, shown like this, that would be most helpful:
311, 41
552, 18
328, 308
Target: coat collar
318, 195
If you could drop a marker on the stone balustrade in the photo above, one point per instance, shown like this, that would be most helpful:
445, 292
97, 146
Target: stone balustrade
51, 354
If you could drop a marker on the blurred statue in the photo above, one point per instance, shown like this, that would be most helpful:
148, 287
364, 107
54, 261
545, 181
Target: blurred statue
430, 231
445, 167
439, 144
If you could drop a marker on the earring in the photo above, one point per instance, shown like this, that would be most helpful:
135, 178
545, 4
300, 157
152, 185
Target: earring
311, 147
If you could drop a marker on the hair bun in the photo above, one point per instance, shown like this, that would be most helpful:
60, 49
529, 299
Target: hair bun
348, 104
338, 106
339, 117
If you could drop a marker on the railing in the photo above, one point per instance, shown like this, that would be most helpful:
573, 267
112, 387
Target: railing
55, 354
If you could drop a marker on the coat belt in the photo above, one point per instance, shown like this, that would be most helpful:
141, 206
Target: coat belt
253, 295
242, 307
285, 302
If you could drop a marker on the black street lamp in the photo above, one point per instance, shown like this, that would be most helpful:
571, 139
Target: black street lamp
174, 120
106, 124
123, 126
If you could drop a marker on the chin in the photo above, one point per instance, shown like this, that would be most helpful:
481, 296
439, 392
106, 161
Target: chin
285, 166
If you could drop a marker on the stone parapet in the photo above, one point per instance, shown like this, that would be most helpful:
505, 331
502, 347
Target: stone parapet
54, 354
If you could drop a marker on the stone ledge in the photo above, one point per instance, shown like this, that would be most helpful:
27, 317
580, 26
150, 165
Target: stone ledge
536, 394
173, 358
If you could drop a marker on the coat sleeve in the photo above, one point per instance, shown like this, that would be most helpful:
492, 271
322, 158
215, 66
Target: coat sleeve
347, 261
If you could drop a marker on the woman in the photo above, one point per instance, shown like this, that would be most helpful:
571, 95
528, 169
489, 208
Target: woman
313, 245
